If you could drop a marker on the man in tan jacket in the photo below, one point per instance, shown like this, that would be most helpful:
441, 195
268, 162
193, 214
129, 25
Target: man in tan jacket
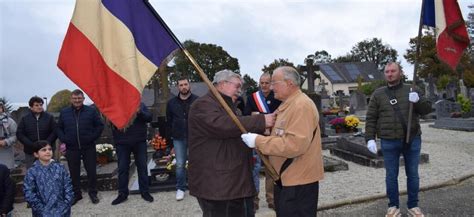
296, 136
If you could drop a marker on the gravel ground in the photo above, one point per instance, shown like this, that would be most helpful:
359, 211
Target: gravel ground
451, 156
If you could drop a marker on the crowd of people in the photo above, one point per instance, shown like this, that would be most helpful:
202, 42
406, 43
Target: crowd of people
282, 125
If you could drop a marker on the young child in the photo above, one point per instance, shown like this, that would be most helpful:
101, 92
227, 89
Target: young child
47, 185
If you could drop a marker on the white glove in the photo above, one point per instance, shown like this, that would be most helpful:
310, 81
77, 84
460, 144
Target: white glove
372, 146
249, 139
413, 97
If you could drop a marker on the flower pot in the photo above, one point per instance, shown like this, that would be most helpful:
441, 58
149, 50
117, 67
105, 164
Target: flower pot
102, 160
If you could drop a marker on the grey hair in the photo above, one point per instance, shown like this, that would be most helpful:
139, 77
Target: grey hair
266, 74
289, 73
225, 75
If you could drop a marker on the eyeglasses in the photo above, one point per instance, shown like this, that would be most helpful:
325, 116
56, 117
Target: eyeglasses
274, 82
236, 85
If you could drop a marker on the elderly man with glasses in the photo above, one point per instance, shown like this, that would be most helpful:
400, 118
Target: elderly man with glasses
220, 170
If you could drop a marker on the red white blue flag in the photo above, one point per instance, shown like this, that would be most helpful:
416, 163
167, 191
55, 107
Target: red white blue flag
111, 50
260, 102
451, 34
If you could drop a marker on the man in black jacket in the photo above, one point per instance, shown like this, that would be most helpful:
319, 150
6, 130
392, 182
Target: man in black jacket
133, 140
7, 191
177, 120
78, 127
36, 125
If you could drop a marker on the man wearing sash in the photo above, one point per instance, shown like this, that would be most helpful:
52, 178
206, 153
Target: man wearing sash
262, 102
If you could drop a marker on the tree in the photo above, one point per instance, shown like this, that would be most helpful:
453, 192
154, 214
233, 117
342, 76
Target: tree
275, 64
346, 59
470, 28
210, 57
250, 85
322, 56
374, 51
6, 104
59, 101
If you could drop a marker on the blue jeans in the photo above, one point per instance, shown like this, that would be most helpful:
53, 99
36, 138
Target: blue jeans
140, 155
181, 152
392, 149
256, 170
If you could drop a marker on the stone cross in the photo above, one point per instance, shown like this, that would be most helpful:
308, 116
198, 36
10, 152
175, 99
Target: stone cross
324, 92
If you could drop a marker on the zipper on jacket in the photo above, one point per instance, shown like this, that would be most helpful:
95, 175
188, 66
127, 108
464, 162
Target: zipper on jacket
37, 127
76, 116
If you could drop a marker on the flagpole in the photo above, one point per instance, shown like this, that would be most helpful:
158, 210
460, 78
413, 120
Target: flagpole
417, 59
213, 89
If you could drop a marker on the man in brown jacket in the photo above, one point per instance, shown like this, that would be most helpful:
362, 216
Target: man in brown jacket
220, 164
295, 136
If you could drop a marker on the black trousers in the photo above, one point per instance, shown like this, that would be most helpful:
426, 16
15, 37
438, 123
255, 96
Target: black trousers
88, 157
296, 201
242, 207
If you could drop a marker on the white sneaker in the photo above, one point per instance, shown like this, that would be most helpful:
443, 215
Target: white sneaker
393, 212
415, 212
179, 195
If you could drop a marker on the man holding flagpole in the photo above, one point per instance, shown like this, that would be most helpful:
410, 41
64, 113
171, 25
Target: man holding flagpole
386, 119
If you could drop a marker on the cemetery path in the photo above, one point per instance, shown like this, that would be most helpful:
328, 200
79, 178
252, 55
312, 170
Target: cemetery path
451, 156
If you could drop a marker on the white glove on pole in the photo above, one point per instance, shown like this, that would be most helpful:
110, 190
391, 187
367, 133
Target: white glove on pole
249, 139
413, 97
372, 146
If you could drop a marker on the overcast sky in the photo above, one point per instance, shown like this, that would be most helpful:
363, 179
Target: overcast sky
31, 33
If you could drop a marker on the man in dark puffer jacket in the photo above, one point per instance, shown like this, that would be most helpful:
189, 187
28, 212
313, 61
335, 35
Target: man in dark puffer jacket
78, 127
36, 125
133, 140
382, 121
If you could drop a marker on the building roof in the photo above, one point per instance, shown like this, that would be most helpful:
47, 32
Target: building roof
349, 72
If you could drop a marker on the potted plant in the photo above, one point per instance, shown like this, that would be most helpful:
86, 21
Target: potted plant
105, 153
345, 124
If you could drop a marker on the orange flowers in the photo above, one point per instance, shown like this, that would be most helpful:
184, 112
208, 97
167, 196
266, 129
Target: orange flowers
158, 142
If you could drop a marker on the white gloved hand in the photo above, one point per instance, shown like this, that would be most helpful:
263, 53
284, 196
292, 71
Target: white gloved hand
413, 97
249, 139
372, 146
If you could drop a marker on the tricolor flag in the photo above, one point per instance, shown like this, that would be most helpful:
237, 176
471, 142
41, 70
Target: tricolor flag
111, 50
451, 34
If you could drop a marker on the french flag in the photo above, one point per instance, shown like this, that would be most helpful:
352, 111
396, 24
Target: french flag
111, 50
451, 34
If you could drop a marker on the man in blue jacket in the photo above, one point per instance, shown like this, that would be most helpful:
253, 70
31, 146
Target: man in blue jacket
133, 140
36, 125
78, 127
177, 119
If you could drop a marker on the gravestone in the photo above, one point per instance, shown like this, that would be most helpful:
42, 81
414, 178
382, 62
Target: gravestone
451, 91
317, 101
444, 108
459, 124
324, 92
463, 89
431, 95
358, 101
333, 165
354, 149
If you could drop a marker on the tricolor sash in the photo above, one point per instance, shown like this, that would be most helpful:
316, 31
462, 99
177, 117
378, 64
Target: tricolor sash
259, 100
